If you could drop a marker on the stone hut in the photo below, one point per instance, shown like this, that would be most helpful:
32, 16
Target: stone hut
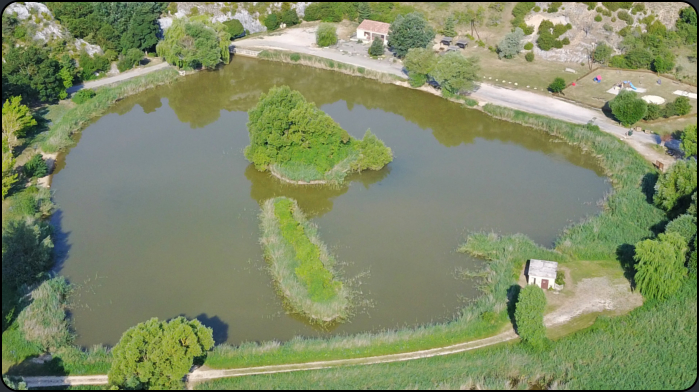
541, 273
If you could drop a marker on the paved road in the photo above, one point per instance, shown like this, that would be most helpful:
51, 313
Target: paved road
118, 78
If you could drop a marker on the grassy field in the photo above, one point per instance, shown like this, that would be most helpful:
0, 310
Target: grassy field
653, 347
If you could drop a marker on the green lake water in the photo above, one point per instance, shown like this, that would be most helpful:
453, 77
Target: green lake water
158, 206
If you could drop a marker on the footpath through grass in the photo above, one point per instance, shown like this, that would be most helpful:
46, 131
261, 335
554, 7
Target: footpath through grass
653, 347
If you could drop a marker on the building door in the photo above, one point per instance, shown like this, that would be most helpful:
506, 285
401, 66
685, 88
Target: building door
544, 284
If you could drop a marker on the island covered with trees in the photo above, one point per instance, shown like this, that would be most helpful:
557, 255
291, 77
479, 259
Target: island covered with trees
299, 143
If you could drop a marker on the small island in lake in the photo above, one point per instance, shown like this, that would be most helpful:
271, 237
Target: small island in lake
300, 144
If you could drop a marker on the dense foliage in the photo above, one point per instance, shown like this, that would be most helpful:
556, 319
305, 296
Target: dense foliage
456, 73
130, 59
195, 44
376, 48
31, 73
409, 31
511, 44
337, 11
529, 57
90, 66
44, 321
26, 251
689, 140
557, 85
660, 265
420, 61
83, 95
674, 188
16, 120
326, 35
35, 167
628, 108
602, 53
235, 28
529, 316
157, 354
549, 34
9, 177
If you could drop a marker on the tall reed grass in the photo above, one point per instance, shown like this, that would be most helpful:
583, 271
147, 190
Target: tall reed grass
58, 136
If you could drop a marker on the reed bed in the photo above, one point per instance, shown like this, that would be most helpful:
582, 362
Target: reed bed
300, 263
58, 136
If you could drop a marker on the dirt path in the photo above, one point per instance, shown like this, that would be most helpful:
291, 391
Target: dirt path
118, 78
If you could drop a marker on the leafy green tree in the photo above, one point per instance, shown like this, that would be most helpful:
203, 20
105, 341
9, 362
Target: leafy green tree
290, 17
456, 73
14, 385
663, 63
557, 85
83, 95
364, 11
409, 31
193, 45
654, 112
16, 119
674, 187
272, 22
326, 35
682, 106
660, 265
157, 354
26, 252
416, 79
511, 44
376, 48
420, 60
528, 46
91, 65
43, 321
142, 33
449, 29
689, 140
628, 108
31, 73
234, 28
684, 225
529, 316
602, 53
131, 58
529, 56
9, 177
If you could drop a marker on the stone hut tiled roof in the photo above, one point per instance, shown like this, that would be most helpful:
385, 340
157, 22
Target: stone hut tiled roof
543, 268
374, 26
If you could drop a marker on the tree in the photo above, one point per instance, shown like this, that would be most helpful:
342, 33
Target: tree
131, 59
689, 140
194, 44
16, 119
682, 106
456, 73
290, 17
31, 73
43, 321
674, 187
557, 85
420, 60
26, 252
9, 177
326, 35
376, 48
364, 11
234, 28
660, 265
654, 112
157, 354
529, 56
14, 385
663, 63
272, 22
602, 53
449, 28
529, 316
142, 32
409, 31
628, 108
511, 44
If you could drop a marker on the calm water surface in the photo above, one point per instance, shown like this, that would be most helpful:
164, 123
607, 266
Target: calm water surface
158, 206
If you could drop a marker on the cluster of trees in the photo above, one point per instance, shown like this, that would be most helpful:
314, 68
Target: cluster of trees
336, 12
409, 31
195, 43
549, 33
453, 72
529, 317
519, 11
32, 73
376, 48
679, 107
629, 108
287, 15
511, 44
285, 129
326, 35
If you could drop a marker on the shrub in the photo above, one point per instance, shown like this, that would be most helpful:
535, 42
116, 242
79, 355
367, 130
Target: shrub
290, 17
416, 79
654, 112
557, 85
361, 70
26, 252
602, 53
326, 35
590, 5
529, 56
598, 18
272, 21
613, 6
234, 28
625, 16
614, 20
35, 167
376, 48
420, 60
529, 316
560, 278
511, 44
456, 73
628, 108
409, 31
373, 153
295, 57
470, 102
607, 27
660, 265
44, 321
638, 7
537, 9
565, 41
674, 188
528, 46
682, 106
83, 96
689, 140
521, 10
553, 7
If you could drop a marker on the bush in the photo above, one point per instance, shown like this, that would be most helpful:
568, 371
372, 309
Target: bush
416, 79
290, 18
608, 28
272, 21
529, 56
295, 57
560, 278
625, 16
456, 73
529, 316
44, 321
234, 28
131, 58
409, 31
26, 252
83, 96
598, 18
602, 53
36, 167
685, 225
613, 6
689, 140
420, 60
682, 106
376, 48
628, 108
654, 112
326, 35
553, 7
565, 41
528, 46
660, 265
537, 9
673, 191
557, 85
511, 44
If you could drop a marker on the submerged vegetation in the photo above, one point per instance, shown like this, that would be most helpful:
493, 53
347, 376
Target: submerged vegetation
297, 141
300, 263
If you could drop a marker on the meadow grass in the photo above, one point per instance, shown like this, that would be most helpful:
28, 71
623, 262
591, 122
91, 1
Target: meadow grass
300, 263
58, 136
653, 347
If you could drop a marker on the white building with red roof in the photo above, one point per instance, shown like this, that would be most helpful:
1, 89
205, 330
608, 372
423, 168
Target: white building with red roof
370, 29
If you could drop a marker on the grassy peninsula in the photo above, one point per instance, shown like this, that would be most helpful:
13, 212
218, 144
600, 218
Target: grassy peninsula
300, 263
299, 143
